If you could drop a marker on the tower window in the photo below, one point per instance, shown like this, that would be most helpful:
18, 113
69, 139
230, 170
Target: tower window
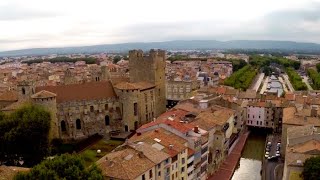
107, 120
23, 91
91, 108
78, 124
63, 126
135, 109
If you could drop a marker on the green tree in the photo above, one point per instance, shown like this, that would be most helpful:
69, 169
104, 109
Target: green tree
311, 168
24, 135
318, 67
116, 59
66, 166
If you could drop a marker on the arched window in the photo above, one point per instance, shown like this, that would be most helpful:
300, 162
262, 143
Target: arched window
63, 126
78, 124
107, 120
126, 128
23, 91
136, 125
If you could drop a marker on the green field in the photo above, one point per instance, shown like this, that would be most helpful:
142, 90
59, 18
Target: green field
90, 154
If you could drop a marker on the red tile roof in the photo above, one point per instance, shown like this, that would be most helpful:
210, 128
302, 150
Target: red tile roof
78, 92
171, 118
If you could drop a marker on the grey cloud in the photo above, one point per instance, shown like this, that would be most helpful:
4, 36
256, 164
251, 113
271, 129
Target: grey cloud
11, 12
279, 25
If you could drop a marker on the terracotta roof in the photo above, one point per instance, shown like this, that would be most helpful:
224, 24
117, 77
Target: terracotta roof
310, 147
166, 140
205, 120
154, 154
14, 106
171, 118
78, 92
9, 96
125, 164
126, 86
249, 94
43, 94
289, 96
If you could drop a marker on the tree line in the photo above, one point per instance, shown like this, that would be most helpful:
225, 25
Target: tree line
296, 80
315, 77
242, 78
88, 60
263, 61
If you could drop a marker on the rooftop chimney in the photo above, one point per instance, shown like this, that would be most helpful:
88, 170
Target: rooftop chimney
170, 146
196, 129
138, 133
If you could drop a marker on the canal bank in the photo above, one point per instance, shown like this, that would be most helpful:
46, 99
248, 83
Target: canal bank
249, 166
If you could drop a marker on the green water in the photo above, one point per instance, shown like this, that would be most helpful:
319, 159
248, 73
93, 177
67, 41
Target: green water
251, 160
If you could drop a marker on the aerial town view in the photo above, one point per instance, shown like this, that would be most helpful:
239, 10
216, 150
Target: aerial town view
160, 90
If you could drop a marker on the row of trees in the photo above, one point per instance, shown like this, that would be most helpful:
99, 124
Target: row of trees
24, 136
242, 78
88, 60
315, 77
237, 64
296, 80
66, 166
261, 61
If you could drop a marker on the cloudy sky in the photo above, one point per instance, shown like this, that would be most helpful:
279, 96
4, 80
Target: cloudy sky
60, 23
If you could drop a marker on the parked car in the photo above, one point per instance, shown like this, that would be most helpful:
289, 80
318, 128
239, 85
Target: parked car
266, 155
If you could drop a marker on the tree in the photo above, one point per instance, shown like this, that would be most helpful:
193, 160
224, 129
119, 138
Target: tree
24, 135
311, 168
116, 59
66, 166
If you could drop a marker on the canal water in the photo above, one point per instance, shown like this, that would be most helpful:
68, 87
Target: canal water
251, 159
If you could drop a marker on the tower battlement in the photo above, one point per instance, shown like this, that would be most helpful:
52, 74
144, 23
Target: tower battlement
153, 53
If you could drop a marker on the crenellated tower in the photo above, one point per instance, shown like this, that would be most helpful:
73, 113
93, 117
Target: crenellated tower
150, 68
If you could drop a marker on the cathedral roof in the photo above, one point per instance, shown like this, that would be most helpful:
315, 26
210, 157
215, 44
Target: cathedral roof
78, 92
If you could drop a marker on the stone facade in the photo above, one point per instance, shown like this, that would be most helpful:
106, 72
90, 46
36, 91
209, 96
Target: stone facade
180, 90
101, 105
151, 69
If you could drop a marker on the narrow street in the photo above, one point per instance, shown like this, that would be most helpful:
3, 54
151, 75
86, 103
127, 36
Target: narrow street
271, 170
286, 79
305, 79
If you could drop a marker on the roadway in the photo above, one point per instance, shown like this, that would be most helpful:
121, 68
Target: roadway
272, 168
286, 79
258, 82
305, 79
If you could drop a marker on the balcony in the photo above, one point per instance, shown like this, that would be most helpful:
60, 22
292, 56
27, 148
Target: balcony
191, 168
190, 159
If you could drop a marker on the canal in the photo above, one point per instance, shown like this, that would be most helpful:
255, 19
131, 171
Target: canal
250, 163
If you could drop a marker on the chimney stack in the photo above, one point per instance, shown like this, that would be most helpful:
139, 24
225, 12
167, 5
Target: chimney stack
196, 129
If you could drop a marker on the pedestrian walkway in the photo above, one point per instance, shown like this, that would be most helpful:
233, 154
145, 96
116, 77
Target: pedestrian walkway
229, 165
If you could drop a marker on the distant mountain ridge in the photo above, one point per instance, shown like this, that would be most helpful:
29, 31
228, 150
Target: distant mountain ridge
172, 45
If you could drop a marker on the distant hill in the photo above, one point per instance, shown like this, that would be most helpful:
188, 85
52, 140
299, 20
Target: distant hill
174, 45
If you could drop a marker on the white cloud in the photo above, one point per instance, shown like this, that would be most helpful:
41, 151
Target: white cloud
47, 23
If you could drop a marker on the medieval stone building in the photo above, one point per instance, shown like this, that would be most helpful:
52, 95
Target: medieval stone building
80, 110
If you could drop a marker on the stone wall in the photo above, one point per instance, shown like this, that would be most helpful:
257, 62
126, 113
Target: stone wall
80, 119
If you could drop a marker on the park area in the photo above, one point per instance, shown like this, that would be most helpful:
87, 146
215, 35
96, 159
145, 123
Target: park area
90, 154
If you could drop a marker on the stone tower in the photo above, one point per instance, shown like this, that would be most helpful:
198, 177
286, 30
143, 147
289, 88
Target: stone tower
150, 68
105, 74
68, 78
48, 101
25, 90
